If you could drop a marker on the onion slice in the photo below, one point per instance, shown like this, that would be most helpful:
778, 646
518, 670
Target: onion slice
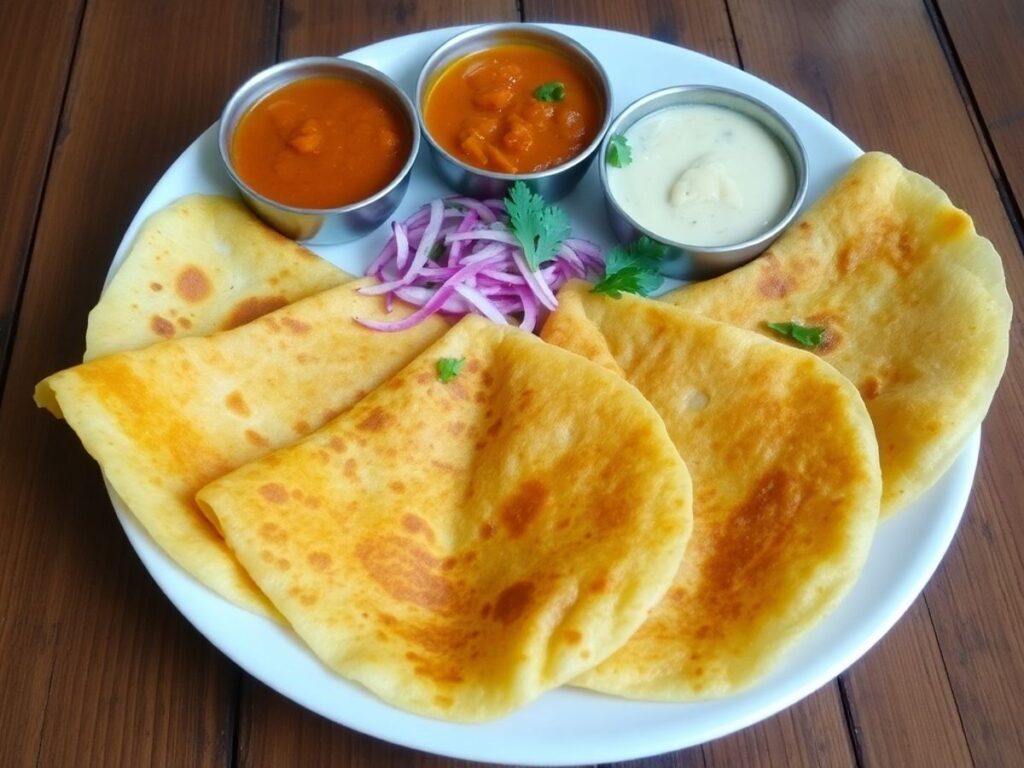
457, 256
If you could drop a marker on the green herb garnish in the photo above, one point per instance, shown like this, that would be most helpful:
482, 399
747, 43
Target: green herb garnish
619, 152
540, 229
809, 336
553, 91
632, 268
448, 368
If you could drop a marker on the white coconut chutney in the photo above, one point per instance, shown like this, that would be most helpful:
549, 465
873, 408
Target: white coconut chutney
703, 175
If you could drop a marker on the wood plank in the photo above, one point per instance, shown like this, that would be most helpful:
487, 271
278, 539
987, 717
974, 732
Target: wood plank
98, 668
986, 35
907, 659
813, 732
880, 75
36, 45
316, 27
702, 25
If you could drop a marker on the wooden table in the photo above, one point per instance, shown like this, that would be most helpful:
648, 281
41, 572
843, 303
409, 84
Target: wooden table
97, 668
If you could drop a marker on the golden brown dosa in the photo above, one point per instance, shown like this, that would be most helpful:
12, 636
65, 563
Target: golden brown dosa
165, 420
461, 547
200, 265
786, 490
914, 302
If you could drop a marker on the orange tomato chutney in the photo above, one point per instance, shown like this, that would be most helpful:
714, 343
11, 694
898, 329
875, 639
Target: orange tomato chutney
483, 111
321, 142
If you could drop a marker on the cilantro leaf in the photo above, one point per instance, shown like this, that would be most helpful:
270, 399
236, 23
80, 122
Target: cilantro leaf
807, 335
620, 154
630, 279
540, 229
553, 91
633, 268
449, 367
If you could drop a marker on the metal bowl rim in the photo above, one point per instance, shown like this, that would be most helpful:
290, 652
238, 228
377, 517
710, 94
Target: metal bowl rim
799, 168
430, 67
241, 101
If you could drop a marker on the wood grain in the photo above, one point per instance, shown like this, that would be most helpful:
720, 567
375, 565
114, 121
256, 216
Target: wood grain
907, 659
702, 25
880, 74
98, 668
37, 41
313, 27
986, 36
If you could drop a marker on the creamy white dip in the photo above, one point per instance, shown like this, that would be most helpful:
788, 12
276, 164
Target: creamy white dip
703, 175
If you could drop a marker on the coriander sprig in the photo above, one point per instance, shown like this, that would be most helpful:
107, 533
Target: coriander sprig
449, 367
539, 228
619, 154
807, 335
633, 268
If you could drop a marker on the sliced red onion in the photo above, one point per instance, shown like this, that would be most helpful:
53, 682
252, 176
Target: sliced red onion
458, 256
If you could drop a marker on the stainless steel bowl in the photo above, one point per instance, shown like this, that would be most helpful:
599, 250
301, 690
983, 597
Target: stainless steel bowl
319, 226
693, 261
553, 183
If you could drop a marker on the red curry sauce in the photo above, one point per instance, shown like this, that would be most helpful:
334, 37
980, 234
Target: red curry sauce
322, 142
483, 109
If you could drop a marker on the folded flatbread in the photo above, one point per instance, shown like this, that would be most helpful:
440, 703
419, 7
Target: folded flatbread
460, 547
913, 301
786, 490
200, 265
165, 420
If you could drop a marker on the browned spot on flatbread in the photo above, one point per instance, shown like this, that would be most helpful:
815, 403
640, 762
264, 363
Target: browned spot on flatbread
523, 507
185, 323
273, 532
486, 530
155, 287
301, 427
757, 538
512, 602
416, 524
295, 326
572, 636
377, 420
251, 308
192, 284
275, 493
832, 337
397, 486
774, 283
350, 467
254, 437
320, 561
407, 572
161, 326
336, 444
871, 387
444, 701
235, 402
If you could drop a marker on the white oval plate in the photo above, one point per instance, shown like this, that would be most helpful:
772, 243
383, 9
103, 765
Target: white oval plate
569, 726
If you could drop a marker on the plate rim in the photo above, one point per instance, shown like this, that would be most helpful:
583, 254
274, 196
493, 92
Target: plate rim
168, 575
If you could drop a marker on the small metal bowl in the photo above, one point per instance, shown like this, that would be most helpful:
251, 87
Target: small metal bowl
692, 261
553, 183
314, 225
